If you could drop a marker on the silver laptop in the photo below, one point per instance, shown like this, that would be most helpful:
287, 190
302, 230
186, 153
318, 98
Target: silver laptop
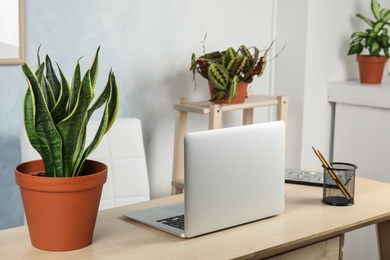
233, 176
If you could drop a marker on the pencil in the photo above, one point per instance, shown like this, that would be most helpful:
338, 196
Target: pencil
334, 176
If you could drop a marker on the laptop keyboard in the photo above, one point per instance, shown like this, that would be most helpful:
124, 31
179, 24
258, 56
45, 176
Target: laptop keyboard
176, 221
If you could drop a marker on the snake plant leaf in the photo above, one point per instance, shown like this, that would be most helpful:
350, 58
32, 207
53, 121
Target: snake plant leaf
101, 100
52, 78
40, 128
113, 102
375, 7
218, 75
45, 85
108, 117
75, 88
36, 142
59, 111
94, 68
39, 72
110, 93
48, 93
73, 128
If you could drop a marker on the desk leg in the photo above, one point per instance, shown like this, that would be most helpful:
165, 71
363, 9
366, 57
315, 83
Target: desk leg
178, 149
383, 231
215, 120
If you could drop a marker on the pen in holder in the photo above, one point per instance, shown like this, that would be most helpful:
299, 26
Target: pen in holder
339, 183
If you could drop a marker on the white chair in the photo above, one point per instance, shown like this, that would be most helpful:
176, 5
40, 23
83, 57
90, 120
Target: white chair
122, 149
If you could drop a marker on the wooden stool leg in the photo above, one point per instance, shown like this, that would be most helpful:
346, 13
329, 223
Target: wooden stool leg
282, 111
178, 149
247, 118
215, 119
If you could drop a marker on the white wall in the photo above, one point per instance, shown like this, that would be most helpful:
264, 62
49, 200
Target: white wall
317, 37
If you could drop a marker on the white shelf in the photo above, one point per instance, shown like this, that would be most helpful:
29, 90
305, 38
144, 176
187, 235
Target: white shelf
355, 93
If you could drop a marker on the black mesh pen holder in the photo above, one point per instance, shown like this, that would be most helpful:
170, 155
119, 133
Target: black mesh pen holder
339, 184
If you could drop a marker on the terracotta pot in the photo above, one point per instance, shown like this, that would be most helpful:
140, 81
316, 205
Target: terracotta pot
61, 212
239, 98
371, 68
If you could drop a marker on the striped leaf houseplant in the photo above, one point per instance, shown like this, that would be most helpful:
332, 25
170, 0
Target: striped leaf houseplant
225, 70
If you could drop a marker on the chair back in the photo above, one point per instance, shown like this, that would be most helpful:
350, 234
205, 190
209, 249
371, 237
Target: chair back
122, 150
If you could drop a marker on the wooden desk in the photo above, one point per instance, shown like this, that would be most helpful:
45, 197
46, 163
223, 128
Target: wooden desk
306, 221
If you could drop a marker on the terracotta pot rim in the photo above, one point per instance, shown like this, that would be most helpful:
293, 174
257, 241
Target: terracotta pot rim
51, 184
372, 59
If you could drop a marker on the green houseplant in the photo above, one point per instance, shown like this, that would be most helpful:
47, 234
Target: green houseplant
56, 116
375, 41
227, 70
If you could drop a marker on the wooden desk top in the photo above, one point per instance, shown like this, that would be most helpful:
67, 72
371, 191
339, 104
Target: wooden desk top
306, 220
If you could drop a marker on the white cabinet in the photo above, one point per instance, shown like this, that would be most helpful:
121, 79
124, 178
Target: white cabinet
362, 127
362, 137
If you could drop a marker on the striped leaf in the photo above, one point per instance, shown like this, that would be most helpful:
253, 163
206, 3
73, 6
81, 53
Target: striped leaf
40, 128
73, 128
218, 75
75, 88
59, 111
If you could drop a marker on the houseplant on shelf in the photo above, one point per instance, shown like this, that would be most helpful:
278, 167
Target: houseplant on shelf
61, 192
375, 40
228, 72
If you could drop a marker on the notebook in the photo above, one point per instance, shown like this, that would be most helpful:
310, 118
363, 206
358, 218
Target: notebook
233, 176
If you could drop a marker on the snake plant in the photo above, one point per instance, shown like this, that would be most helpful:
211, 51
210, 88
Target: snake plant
225, 69
376, 38
56, 114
